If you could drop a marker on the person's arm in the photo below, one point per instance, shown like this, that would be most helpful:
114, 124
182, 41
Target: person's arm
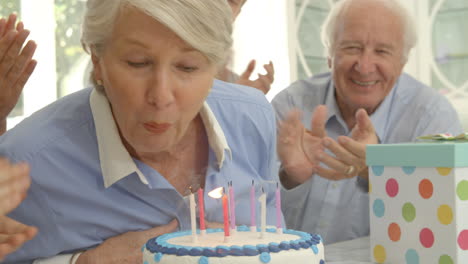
16, 65
124, 248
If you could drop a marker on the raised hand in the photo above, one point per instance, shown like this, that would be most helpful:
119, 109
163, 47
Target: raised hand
14, 182
16, 65
349, 158
263, 82
124, 248
297, 147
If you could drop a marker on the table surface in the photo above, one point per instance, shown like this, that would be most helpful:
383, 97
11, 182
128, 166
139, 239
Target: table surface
349, 252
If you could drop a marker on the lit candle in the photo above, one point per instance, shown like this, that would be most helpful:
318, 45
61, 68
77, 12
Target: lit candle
226, 218
262, 200
253, 222
219, 193
193, 216
279, 228
201, 210
232, 206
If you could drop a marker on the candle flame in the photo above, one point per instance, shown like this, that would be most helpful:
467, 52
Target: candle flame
216, 193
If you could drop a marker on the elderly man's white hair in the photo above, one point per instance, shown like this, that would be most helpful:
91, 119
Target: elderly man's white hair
330, 24
204, 25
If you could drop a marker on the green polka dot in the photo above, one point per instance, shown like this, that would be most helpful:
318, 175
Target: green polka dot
445, 259
408, 212
462, 190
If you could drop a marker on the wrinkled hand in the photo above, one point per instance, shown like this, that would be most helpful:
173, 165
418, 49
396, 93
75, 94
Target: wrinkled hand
124, 248
349, 151
14, 182
297, 147
13, 235
263, 82
16, 64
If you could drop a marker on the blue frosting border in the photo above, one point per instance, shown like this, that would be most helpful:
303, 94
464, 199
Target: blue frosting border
160, 245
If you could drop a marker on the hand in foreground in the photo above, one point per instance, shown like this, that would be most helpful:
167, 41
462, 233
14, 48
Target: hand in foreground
298, 148
14, 182
263, 82
13, 235
349, 152
124, 248
16, 64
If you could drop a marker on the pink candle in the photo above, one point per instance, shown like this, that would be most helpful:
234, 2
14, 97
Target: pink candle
226, 216
278, 207
201, 209
232, 206
262, 200
253, 222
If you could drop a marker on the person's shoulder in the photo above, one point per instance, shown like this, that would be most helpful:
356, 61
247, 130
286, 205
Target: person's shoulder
312, 86
58, 119
416, 99
226, 93
304, 94
313, 83
413, 92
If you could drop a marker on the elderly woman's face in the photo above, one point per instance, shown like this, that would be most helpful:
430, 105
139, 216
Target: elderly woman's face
155, 82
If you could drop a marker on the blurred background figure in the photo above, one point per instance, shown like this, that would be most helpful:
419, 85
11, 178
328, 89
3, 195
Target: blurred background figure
263, 81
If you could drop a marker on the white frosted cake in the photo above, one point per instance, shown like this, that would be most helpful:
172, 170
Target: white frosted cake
243, 247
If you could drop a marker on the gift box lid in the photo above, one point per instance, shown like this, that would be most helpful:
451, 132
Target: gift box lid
419, 154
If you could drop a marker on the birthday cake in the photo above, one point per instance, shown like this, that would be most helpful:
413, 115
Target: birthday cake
243, 246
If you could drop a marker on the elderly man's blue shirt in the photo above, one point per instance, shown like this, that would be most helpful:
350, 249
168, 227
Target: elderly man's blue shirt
339, 210
73, 209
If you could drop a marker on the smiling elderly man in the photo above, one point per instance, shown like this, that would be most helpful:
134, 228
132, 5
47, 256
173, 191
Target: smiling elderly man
365, 99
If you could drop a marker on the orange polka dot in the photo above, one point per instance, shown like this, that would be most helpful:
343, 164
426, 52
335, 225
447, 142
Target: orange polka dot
394, 232
426, 189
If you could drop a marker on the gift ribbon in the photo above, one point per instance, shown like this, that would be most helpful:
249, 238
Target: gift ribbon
445, 137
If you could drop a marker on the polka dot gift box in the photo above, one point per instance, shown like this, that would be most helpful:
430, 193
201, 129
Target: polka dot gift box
418, 195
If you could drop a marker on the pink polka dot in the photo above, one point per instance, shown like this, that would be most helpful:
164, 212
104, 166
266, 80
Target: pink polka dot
426, 237
463, 240
392, 187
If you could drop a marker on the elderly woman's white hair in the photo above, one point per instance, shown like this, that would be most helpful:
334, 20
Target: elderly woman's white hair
204, 25
330, 24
